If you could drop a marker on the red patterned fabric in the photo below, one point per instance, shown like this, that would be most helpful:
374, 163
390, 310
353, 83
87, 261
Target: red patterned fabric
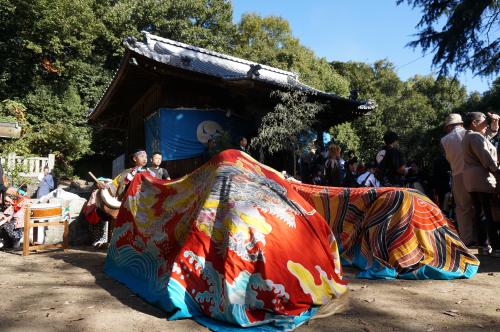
231, 243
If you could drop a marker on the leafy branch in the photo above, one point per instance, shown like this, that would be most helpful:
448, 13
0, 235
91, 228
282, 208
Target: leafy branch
293, 115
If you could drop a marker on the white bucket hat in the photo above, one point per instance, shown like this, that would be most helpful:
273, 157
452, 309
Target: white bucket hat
452, 119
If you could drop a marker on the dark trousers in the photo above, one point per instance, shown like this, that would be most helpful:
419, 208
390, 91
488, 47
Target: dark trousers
3, 193
487, 229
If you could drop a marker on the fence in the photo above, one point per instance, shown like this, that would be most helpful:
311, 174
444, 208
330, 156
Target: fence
32, 166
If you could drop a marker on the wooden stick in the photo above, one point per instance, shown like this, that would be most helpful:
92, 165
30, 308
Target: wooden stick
26, 233
66, 235
94, 177
96, 180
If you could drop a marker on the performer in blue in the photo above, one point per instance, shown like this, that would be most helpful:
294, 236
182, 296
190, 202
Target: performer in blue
46, 184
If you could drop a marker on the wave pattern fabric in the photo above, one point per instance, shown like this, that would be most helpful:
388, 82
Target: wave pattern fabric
231, 245
392, 233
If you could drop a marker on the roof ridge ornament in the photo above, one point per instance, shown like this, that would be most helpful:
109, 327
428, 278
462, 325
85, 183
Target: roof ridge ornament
254, 71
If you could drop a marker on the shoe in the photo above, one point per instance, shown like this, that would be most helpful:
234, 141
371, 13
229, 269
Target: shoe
485, 251
496, 253
99, 244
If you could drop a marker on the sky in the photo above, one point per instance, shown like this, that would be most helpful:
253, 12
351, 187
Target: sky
356, 30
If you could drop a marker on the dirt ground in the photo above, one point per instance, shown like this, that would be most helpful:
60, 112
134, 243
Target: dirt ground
67, 291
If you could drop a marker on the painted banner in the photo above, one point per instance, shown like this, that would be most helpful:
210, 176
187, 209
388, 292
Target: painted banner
183, 133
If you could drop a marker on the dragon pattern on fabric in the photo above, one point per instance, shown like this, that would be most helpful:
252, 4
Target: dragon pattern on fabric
234, 245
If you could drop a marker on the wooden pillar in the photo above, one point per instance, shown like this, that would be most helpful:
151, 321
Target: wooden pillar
27, 227
66, 235
52, 161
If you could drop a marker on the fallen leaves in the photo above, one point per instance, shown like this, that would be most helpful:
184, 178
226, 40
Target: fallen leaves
452, 313
369, 300
77, 319
366, 327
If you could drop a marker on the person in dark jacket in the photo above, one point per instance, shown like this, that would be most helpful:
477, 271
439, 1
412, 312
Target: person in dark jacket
334, 170
3, 188
210, 151
350, 174
392, 165
160, 172
243, 144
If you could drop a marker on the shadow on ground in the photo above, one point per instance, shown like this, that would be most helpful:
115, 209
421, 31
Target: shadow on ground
92, 260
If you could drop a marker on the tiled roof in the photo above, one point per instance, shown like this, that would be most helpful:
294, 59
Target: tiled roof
204, 61
220, 65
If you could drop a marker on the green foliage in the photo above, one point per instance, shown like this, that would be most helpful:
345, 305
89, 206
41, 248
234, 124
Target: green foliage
14, 110
204, 23
488, 102
15, 175
269, 40
414, 109
469, 38
346, 137
292, 116
68, 142
58, 57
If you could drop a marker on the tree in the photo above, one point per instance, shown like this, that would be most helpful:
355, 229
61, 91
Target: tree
488, 102
58, 57
269, 40
346, 137
468, 40
381, 83
414, 109
292, 116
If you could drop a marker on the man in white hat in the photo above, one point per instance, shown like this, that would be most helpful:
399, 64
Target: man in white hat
452, 146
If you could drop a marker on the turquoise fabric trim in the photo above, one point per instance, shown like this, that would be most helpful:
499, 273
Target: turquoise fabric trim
175, 300
379, 271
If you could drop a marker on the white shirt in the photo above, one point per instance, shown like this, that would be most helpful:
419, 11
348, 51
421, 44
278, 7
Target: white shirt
368, 179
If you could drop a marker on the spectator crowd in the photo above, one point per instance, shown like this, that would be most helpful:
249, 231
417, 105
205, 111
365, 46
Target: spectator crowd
463, 183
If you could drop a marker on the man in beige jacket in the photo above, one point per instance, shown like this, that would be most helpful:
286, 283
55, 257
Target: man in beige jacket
481, 171
452, 146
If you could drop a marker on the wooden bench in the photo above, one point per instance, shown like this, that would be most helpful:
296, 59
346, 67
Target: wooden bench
43, 215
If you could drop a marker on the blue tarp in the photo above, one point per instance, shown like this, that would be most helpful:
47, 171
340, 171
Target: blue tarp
183, 133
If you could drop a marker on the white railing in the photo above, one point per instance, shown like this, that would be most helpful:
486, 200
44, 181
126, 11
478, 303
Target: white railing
33, 166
